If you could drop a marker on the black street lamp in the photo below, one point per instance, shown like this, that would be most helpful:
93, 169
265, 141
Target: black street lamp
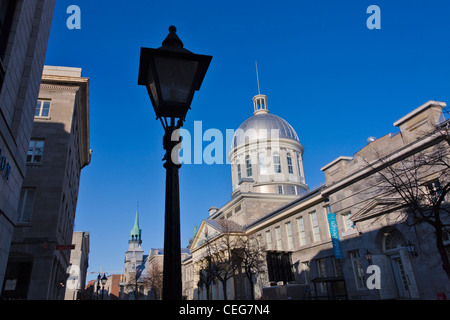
103, 280
99, 278
171, 75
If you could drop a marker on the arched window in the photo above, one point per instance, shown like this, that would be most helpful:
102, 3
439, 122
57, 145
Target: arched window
393, 240
276, 163
248, 164
262, 164
289, 162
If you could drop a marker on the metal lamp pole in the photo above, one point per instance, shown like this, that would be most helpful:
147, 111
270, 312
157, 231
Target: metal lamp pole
171, 75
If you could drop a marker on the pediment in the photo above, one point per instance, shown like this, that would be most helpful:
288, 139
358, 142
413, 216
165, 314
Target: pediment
376, 207
205, 231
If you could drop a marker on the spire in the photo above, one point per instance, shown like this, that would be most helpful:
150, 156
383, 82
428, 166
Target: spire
135, 234
260, 100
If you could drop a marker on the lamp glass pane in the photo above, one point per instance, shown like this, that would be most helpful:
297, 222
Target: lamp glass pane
176, 77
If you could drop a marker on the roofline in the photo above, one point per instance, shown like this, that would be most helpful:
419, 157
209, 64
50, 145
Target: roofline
306, 197
420, 109
335, 161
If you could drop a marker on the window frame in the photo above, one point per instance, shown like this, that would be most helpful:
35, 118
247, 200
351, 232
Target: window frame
33, 150
315, 226
41, 108
26, 217
276, 162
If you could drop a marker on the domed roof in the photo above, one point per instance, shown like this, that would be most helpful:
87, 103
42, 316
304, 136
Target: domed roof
250, 130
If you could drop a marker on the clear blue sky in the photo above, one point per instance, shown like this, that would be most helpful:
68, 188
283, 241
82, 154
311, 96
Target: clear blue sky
334, 80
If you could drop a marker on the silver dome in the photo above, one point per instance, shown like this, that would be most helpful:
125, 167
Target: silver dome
266, 122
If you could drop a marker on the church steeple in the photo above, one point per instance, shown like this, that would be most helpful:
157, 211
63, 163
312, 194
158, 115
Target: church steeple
135, 234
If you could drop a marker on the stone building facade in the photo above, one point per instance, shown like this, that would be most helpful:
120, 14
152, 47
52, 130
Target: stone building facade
320, 244
24, 33
79, 262
57, 152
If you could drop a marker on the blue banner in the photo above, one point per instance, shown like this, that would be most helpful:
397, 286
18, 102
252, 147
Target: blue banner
335, 236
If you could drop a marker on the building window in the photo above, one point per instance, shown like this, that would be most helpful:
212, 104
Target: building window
7, 8
278, 235
338, 267
268, 240
280, 189
393, 240
35, 151
248, 164
289, 162
42, 109
276, 163
301, 231
239, 172
348, 224
446, 241
434, 190
299, 163
315, 226
262, 164
289, 236
293, 190
26, 203
358, 270
307, 271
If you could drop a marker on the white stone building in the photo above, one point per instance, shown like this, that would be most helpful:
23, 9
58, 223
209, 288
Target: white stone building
319, 244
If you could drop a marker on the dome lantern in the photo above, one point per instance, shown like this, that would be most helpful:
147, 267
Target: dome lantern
260, 104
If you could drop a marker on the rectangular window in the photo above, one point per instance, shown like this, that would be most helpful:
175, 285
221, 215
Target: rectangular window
35, 151
315, 226
289, 162
278, 235
348, 224
322, 272
42, 109
248, 164
239, 172
262, 164
434, 190
358, 270
307, 271
26, 203
289, 236
301, 231
268, 240
338, 267
276, 163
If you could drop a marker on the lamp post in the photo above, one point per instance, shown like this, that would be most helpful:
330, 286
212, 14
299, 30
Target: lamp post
103, 280
171, 75
99, 278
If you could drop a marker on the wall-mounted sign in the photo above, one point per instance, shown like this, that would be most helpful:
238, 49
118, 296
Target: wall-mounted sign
64, 247
5, 166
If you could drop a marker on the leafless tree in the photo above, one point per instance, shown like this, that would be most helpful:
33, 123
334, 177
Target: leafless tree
154, 280
250, 255
222, 251
420, 183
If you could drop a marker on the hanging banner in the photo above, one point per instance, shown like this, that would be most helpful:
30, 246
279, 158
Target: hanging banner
334, 235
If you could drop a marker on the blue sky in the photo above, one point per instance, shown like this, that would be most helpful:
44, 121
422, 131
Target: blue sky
334, 80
